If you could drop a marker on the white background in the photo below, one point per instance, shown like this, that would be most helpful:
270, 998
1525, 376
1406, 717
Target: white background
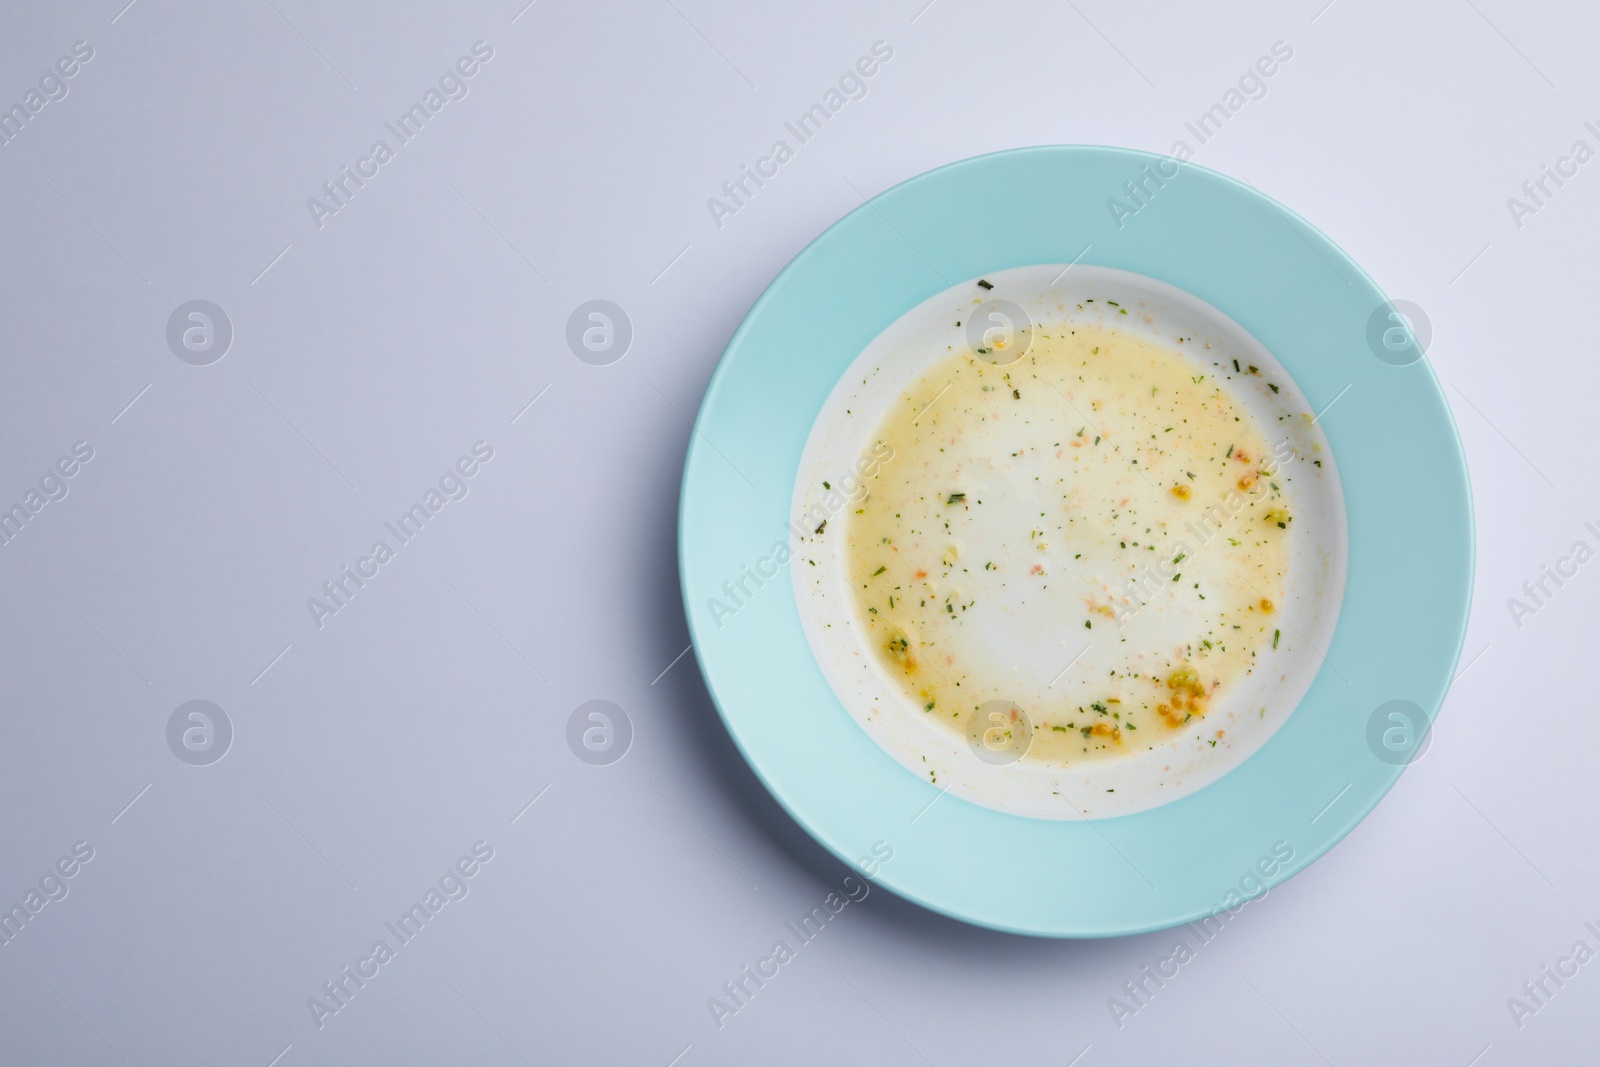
373, 351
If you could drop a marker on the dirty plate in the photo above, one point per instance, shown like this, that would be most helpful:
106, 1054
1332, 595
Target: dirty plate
1372, 658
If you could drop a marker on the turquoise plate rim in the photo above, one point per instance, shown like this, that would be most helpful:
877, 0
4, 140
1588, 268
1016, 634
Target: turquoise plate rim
1407, 496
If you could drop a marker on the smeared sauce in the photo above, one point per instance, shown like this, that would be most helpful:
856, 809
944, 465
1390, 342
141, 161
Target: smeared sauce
1096, 531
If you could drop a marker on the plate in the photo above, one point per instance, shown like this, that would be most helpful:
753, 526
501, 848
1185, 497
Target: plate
1373, 687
